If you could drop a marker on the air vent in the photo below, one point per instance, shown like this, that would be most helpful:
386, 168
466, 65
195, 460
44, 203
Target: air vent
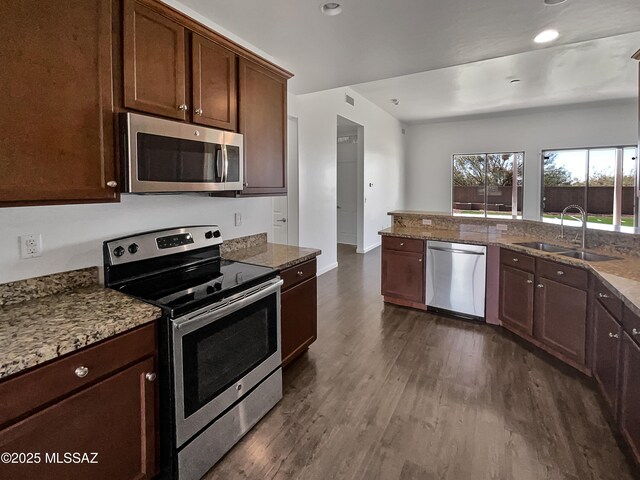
349, 100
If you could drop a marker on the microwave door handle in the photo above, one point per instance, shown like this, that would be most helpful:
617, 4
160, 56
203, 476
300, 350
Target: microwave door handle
226, 163
219, 164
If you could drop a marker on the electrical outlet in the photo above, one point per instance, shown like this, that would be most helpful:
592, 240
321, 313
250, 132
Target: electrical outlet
502, 227
426, 221
31, 245
238, 218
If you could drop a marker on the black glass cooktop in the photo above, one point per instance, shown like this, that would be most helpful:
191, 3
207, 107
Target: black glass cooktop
184, 290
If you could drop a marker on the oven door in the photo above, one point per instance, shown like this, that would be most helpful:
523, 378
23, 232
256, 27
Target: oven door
165, 156
221, 353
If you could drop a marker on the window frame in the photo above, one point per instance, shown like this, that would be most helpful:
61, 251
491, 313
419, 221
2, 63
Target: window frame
636, 197
486, 190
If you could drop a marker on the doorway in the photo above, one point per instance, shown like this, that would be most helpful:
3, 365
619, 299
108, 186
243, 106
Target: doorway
350, 161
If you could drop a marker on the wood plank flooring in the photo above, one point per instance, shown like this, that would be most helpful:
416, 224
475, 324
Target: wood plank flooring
392, 393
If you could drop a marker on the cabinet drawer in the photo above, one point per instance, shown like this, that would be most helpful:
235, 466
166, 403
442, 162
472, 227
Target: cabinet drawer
576, 277
631, 324
518, 260
608, 299
298, 273
403, 244
44, 384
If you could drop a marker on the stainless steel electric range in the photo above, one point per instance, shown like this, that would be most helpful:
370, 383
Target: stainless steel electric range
219, 339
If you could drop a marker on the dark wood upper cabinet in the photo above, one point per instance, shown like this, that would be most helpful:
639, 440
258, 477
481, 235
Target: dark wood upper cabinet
516, 299
561, 318
214, 84
403, 274
154, 62
606, 341
630, 395
56, 124
263, 121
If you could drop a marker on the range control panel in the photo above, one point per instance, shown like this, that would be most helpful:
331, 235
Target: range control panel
160, 243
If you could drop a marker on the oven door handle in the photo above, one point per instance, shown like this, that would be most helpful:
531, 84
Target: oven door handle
228, 306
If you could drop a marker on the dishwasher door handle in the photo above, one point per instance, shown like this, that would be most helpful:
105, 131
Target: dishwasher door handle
456, 250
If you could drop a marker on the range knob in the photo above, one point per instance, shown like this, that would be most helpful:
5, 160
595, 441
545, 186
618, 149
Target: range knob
208, 235
118, 251
133, 248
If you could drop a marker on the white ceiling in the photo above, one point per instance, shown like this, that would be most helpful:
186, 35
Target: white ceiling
592, 71
376, 39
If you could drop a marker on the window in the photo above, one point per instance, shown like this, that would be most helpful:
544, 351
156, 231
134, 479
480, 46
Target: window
602, 179
488, 184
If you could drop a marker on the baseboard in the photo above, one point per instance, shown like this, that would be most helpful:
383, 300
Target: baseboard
327, 269
369, 248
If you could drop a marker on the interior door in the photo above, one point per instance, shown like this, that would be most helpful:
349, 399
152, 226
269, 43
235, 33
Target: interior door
347, 201
281, 220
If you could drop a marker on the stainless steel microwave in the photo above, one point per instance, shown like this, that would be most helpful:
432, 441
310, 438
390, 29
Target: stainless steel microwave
164, 156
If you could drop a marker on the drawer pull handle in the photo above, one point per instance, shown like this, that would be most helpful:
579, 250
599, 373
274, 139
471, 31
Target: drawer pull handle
540, 285
603, 295
81, 372
560, 272
151, 376
613, 335
419, 259
516, 260
300, 273
402, 244
635, 331
529, 282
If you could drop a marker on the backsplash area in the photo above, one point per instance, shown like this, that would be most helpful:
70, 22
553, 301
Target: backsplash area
625, 243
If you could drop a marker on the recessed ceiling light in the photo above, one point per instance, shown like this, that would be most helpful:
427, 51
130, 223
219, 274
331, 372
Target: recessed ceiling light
395, 101
546, 36
554, 2
331, 8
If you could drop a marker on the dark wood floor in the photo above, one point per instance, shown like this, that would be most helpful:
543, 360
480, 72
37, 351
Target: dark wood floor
391, 393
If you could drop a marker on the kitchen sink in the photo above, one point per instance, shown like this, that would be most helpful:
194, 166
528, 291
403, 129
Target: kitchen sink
589, 257
545, 247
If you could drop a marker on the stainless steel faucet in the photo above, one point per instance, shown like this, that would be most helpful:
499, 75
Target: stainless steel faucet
584, 223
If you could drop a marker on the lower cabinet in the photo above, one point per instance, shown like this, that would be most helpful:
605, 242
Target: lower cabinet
630, 394
105, 429
298, 310
516, 299
606, 341
403, 270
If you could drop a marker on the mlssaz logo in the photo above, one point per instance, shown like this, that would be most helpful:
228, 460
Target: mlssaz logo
71, 457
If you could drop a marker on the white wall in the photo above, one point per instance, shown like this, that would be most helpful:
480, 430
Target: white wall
72, 235
383, 167
430, 146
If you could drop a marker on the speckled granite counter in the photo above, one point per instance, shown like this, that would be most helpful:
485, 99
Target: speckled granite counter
75, 315
273, 255
622, 275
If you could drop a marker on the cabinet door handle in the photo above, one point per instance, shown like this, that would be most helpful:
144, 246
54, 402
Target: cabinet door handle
613, 335
112, 183
529, 282
300, 273
516, 260
401, 244
183, 107
198, 111
560, 272
151, 376
603, 295
635, 331
81, 372
540, 285
420, 260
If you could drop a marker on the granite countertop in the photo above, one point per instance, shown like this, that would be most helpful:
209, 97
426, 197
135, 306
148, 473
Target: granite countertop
622, 274
40, 329
274, 255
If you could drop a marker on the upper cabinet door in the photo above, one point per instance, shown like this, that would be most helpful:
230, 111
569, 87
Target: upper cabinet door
154, 62
214, 84
56, 121
263, 121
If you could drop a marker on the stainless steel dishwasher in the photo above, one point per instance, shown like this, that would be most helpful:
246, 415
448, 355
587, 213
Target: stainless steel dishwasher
456, 278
